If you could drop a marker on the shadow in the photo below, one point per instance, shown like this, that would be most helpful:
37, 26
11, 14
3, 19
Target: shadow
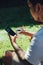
18, 62
15, 60
8, 59
11, 3
15, 17
1, 61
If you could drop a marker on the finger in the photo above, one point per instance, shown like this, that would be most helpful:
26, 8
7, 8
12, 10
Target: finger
19, 30
12, 38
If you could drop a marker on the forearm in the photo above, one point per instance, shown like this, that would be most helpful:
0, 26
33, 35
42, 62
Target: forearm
22, 31
27, 34
18, 50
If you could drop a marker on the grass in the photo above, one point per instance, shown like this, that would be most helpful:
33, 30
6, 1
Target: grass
15, 17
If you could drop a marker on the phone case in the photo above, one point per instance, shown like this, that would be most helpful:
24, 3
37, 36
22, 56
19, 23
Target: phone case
10, 31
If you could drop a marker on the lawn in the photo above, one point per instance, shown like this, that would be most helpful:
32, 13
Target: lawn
15, 17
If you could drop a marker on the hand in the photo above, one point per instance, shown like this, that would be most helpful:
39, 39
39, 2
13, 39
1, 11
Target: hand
13, 38
19, 30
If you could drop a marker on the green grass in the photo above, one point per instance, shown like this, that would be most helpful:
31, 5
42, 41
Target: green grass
22, 41
15, 17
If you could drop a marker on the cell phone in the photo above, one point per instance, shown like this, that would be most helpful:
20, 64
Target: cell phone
10, 31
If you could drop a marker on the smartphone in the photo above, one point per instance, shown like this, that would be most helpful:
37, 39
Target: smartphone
10, 31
